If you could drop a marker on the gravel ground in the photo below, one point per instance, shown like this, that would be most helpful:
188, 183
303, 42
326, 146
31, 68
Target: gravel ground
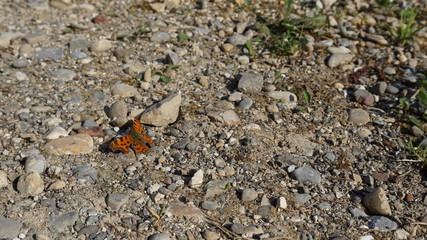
248, 145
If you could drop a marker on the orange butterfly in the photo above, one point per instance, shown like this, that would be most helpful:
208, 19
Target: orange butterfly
137, 139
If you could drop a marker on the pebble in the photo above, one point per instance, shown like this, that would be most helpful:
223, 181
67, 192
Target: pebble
116, 201
302, 198
243, 60
30, 184
75, 144
197, 179
377, 202
101, 46
290, 100
33, 38
181, 210
79, 43
376, 38
55, 133
125, 90
252, 230
209, 205
215, 187
380, 88
159, 236
282, 203
172, 58
381, 223
401, 234
9, 228
49, 53
85, 172
35, 163
389, 71
20, 76
393, 89
204, 81
358, 116
306, 174
117, 110
325, 206
209, 235
237, 39
364, 97
61, 222
235, 97
230, 117
246, 103
58, 184
338, 50
3, 179
163, 112
21, 62
227, 47
250, 83
356, 212
160, 37
63, 75
249, 194
88, 230
337, 59
78, 55
416, 131
237, 228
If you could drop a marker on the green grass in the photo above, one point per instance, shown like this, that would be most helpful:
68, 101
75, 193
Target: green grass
419, 152
408, 26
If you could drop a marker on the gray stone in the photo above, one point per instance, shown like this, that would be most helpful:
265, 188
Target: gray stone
30, 184
381, 223
230, 117
337, 59
364, 97
79, 44
209, 205
235, 97
20, 62
62, 222
55, 133
49, 53
197, 179
86, 172
265, 211
215, 187
325, 206
377, 202
209, 235
101, 45
77, 55
181, 144
88, 230
416, 131
35, 163
35, 37
9, 228
377, 38
356, 212
3, 179
246, 103
380, 88
249, 194
307, 174
302, 198
89, 123
358, 116
237, 39
389, 71
237, 228
250, 83
163, 112
116, 201
160, 37
63, 75
181, 210
172, 58
159, 236
117, 110
125, 90
393, 89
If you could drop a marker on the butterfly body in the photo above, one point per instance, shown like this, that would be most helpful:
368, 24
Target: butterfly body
137, 139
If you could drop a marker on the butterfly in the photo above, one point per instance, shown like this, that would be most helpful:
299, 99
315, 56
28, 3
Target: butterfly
137, 139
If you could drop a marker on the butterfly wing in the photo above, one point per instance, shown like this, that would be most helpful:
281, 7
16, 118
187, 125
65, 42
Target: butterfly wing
121, 144
141, 142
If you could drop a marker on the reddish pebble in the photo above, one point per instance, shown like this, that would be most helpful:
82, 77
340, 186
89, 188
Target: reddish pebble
100, 19
92, 131
409, 197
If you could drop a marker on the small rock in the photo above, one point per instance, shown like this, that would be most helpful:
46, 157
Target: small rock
57, 185
160, 37
235, 97
302, 198
35, 37
227, 47
230, 117
100, 18
364, 97
246, 103
49, 53
389, 71
204, 81
55, 133
252, 230
9, 228
237, 228
249, 194
381, 223
117, 110
163, 112
281, 203
30, 184
182, 210
35, 163
125, 90
101, 46
209, 205
62, 222
288, 98
75, 144
325, 206
116, 201
337, 59
172, 58
401, 234
338, 50
63, 75
87, 173
20, 62
243, 60
20, 76
376, 38
393, 89
197, 179
159, 236
306, 174
237, 39
379, 88
79, 44
250, 83
158, 7
416, 131
215, 187
3, 180
358, 116
377, 202
356, 212
209, 235
88, 230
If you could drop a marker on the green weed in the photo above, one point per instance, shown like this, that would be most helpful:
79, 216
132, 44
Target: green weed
408, 26
419, 152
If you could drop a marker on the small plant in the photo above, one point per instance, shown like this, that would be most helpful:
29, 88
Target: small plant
408, 26
250, 47
163, 73
182, 37
420, 152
